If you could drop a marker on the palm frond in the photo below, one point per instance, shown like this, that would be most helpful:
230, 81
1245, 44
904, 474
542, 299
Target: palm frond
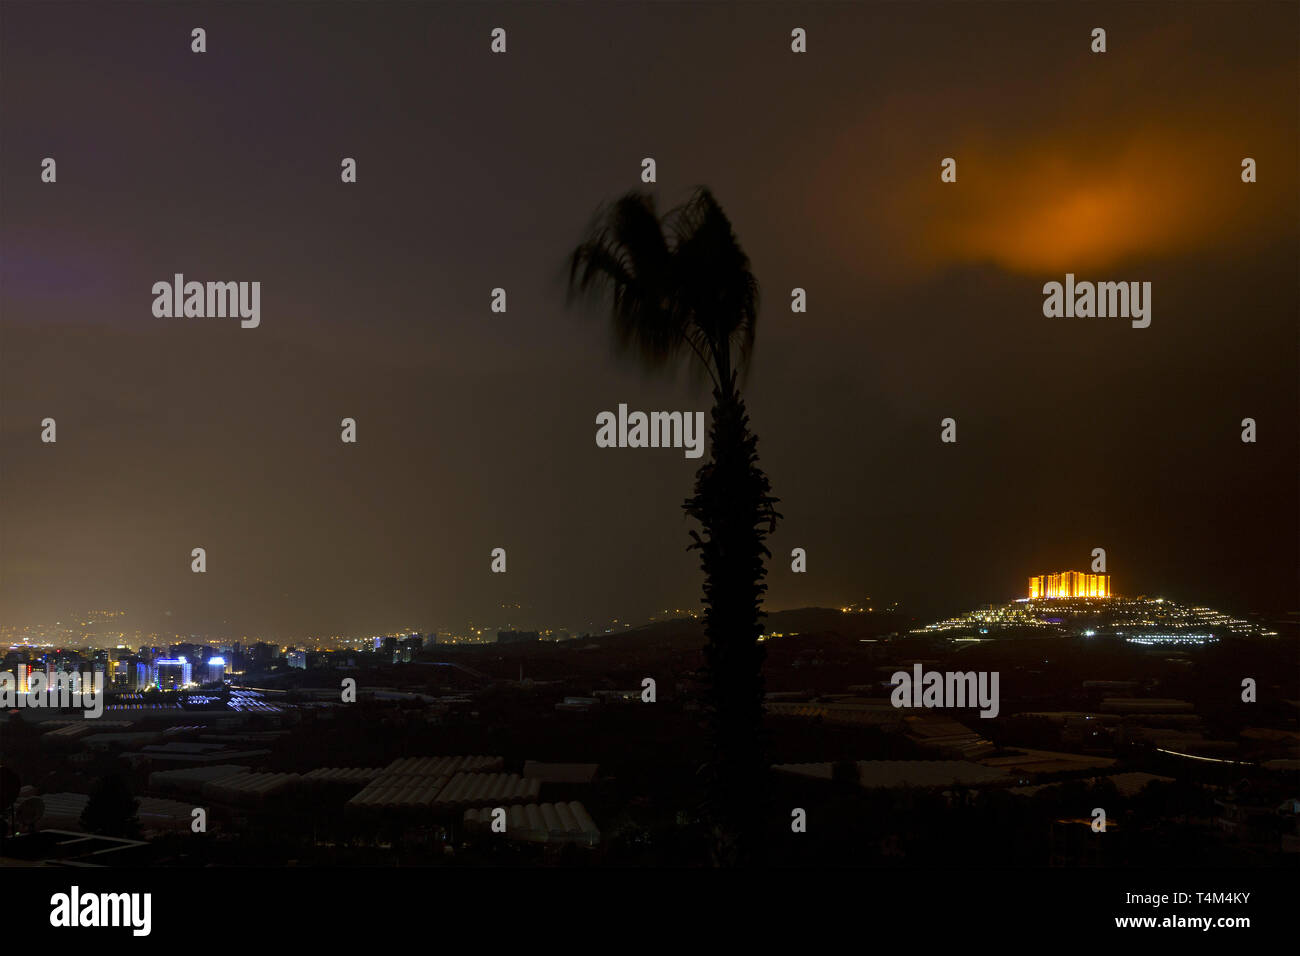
676, 283
627, 257
715, 288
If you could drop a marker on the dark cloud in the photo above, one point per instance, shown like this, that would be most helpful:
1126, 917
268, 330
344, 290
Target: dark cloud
477, 430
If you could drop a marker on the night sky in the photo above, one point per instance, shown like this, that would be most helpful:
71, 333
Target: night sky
476, 430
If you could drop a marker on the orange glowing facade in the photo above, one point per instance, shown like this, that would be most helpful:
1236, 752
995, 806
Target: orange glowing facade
1069, 584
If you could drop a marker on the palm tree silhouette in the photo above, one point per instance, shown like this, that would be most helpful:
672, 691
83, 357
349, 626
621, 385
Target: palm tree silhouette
683, 285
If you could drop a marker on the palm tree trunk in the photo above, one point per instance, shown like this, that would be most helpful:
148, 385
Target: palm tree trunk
734, 508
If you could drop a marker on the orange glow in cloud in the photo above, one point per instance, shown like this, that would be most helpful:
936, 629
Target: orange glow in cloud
1047, 208
1106, 177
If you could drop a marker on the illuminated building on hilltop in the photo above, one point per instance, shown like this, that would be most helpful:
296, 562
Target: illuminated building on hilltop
1078, 605
1069, 584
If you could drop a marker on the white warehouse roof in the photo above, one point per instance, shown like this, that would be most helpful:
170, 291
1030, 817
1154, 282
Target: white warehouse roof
541, 823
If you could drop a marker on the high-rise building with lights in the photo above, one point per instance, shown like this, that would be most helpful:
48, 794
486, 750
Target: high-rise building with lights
172, 673
1069, 584
216, 669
